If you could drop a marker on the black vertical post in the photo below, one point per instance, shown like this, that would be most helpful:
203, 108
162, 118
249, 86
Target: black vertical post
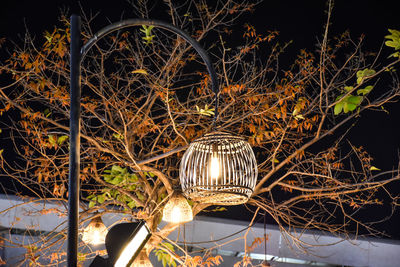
74, 156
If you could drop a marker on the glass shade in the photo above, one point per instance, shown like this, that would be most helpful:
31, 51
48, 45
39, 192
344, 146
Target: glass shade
142, 260
177, 210
219, 168
95, 232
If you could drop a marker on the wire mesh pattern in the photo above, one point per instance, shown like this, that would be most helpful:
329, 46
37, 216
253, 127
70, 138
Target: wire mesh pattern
177, 210
219, 168
95, 232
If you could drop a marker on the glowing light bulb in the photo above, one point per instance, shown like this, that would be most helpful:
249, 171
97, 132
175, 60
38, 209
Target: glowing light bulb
176, 214
177, 210
214, 167
95, 232
96, 238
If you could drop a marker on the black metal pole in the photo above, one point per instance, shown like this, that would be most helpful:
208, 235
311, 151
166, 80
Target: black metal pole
74, 155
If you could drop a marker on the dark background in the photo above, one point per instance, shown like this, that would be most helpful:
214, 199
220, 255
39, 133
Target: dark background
301, 21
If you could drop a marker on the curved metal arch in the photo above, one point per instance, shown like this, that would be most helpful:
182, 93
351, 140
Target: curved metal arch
160, 24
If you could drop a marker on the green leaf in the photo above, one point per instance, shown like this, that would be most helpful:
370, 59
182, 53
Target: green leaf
116, 169
114, 193
348, 88
101, 199
48, 38
133, 178
118, 136
392, 44
338, 108
362, 74
146, 29
299, 117
162, 196
91, 204
81, 257
365, 91
132, 204
218, 209
373, 168
191, 202
348, 107
62, 139
132, 187
169, 259
140, 196
52, 140
392, 69
206, 111
117, 180
395, 33
148, 38
396, 54
168, 246
47, 112
349, 103
140, 71
394, 39
356, 100
163, 256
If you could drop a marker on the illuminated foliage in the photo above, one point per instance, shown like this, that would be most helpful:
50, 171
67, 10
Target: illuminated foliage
146, 96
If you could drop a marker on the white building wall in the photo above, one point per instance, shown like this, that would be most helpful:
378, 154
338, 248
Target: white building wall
358, 252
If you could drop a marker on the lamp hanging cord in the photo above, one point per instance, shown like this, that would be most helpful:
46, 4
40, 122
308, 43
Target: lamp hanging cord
160, 24
215, 119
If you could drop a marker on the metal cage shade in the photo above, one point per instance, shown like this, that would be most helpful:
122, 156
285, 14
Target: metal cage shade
95, 232
219, 168
177, 210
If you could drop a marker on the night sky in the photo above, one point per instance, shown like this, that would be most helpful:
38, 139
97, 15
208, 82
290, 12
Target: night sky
301, 21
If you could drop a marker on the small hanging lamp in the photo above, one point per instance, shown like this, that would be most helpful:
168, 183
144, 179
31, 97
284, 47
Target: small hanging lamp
177, 210
142, 260
219, 168
95, 233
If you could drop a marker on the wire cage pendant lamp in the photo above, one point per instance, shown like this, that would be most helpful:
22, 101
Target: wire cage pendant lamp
219, 168
177, 210
95, 232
